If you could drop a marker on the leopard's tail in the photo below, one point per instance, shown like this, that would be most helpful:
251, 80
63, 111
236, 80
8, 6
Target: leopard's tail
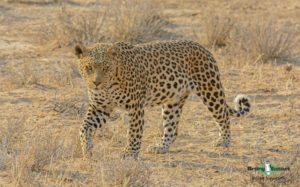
242, 106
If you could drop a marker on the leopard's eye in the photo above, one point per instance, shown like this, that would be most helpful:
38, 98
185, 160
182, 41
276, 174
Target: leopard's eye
89, 69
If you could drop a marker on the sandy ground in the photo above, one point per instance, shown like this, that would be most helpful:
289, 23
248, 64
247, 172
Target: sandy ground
42, 93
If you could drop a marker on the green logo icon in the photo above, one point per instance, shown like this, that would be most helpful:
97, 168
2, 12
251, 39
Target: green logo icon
268, 169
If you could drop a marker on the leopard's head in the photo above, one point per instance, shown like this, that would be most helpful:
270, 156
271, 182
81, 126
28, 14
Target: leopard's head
100, 63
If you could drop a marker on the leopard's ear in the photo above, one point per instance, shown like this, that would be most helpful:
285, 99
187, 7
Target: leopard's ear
79, 50
114, 52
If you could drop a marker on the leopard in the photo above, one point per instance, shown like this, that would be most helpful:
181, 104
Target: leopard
133, 77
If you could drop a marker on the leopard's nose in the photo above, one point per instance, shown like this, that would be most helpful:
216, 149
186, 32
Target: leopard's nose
96, 83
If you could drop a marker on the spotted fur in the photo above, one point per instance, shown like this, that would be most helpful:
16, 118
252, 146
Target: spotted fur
133, 77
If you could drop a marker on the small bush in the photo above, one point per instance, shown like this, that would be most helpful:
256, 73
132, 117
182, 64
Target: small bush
36, 152
70, 28
136, 21
217, 31
265, 42
130, 21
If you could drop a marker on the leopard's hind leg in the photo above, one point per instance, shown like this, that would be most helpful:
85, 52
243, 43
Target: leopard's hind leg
171, 114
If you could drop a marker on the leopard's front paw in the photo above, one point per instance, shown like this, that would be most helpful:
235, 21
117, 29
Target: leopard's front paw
159, 149
129, 154
87, 151
87, 154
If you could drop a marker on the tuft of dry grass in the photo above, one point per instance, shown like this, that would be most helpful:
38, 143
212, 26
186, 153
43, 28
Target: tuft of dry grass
130, 21
10, 136
28, 162
135, 21
38, 149
73, 27
116, 172
20, 76
26, 75
217, 31
265, 42
28, 156
11, 133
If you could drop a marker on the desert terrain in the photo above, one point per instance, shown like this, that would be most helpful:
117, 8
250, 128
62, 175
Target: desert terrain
43, 98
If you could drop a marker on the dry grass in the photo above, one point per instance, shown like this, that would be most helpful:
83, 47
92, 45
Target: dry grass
116, 172
43, 99
217, 31
258, 42
74, 27
136, 21
66, 73
41, 2
61, 73
265, 42
25, 76
38, 149
30, 163
130, 21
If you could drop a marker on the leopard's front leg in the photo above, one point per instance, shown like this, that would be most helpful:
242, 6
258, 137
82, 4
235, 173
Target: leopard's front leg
135, 133
95, 118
